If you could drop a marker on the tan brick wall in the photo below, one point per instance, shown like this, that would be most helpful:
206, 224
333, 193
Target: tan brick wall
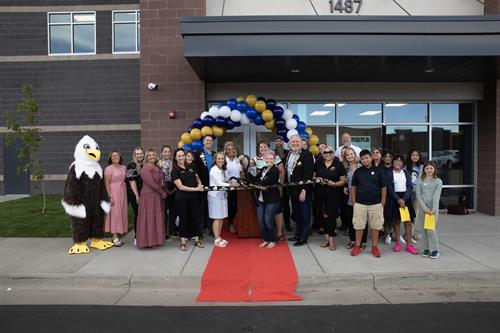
163, 62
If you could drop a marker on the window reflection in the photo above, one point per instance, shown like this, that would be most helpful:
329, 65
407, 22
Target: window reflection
402, 139
365, 137
452, 112
405, 113
326, 135
457, 196
359, 113
315, 114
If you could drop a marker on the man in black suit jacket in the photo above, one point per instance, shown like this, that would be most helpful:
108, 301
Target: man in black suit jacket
203, 161
299, 167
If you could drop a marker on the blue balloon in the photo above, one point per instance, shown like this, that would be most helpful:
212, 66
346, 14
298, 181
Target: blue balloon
187, 147
304, 135
252, 113
282, 132
220, 121
296, 117
236, 124
232, 103
189, 129
197, 145
278, 112
301, 126
242, 106
197, 123
271, 104
220, 105
280, 124
208, 121
230, 124
258, 120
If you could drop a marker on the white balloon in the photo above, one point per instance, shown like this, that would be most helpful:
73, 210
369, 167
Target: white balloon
291, 132
203, 115
288, 114
225, 111
214, 111
235, 115
244, 119
291, 124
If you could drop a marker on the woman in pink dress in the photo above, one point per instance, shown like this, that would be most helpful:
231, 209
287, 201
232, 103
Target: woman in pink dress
151, 217
114, 180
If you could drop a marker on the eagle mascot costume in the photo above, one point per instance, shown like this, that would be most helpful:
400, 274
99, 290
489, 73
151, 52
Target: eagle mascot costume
85, 199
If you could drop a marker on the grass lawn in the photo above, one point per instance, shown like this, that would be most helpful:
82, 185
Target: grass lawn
23, 218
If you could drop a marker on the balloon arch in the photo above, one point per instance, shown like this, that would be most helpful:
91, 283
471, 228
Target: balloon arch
243, 111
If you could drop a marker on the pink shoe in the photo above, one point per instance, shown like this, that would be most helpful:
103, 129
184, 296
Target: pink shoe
410, 248
397, 247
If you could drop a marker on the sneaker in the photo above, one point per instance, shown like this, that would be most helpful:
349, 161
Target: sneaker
434, 255
375, 252
413, 240
388, 239
410, 248
397, 247
402, 239
356, 251
426, 254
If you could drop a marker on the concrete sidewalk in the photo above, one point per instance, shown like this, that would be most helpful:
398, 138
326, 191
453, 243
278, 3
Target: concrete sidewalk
468, 269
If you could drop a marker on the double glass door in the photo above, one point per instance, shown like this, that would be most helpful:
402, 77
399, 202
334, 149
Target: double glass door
246, 139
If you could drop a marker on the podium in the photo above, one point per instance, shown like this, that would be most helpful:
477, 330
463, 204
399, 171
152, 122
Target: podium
245, 221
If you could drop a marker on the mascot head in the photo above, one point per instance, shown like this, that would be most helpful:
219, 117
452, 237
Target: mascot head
87, 155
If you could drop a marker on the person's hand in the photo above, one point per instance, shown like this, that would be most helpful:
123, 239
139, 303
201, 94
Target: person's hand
111, 201
346, 191
401, 203
331, 183
302, 196
428, 211
200, 187
137, 198
163, 195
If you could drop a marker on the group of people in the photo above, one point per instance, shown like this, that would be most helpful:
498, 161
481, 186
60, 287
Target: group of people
372, 192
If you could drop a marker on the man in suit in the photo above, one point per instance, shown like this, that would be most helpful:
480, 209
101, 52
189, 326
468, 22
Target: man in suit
285, 198
299, 167
203, 161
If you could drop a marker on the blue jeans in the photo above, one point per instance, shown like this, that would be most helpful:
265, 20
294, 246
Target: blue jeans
265, 215
302, 214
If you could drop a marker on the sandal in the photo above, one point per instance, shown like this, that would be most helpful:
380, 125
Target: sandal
117, 242
219, 242
325, 244
183, 246
199, 244
350, 245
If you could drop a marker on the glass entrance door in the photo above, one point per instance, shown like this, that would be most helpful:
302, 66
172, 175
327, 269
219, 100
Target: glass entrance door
246, 139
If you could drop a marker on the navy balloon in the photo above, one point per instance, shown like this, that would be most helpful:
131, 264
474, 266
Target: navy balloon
282, 132
258, 120
251, 113
301, 126
230, 124
220, 121
260, 98
296, 117
187, 147
280, 124
242, 106
197, 145
232, 103
189, 129
271, 104
304, 135
236, 124
208, 121
197, 123
278, 112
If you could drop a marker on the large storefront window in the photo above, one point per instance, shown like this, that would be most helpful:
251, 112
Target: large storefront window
401, 139
365, 137
354, 113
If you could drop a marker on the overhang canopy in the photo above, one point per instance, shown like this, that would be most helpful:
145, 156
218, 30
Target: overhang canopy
337, 48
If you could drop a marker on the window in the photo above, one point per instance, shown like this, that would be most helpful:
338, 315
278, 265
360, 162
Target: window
71, 33
353, 113
405, 113
126, 31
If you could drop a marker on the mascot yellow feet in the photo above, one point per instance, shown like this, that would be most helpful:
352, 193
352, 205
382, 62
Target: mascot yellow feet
100, 244
79, 248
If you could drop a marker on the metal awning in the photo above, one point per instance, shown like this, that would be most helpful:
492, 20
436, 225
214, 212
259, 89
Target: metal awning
336, 48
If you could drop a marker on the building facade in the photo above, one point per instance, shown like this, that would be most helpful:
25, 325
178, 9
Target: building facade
394, 74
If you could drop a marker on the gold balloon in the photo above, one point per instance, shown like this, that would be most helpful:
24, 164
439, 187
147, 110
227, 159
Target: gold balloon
267, 115
313, 140
260, 106
195, 134
206, 130
314, 150
217, 131
186, 138
270, 124
251, 99
309, 131
180, 144
240, 99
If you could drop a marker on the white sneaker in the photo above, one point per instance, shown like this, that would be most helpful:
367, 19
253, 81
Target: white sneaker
413, 240
402, 239
388, 239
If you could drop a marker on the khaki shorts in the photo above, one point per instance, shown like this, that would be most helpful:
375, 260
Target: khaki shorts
373, 213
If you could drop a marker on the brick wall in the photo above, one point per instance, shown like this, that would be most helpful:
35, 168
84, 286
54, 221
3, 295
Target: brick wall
65, 2
491, 7
163, 62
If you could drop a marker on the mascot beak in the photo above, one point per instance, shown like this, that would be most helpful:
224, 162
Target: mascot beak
93, 154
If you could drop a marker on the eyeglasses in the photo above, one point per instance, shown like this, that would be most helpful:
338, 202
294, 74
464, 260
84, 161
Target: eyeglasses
328, 152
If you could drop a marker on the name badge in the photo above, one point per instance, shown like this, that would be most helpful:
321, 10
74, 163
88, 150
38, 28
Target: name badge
373, 173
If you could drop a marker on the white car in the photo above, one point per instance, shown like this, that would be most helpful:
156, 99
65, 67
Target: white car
446, 157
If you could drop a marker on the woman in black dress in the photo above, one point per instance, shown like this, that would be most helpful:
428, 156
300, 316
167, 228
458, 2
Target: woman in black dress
134, 181
333, 174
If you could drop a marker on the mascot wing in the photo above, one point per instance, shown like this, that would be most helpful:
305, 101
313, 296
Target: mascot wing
72, 202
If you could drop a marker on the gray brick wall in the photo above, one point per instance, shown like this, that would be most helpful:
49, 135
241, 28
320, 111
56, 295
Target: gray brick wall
75, 92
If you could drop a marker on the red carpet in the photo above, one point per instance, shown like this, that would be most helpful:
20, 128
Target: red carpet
243, 272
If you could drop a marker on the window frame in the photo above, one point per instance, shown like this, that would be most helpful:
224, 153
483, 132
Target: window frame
71, 24
136, 22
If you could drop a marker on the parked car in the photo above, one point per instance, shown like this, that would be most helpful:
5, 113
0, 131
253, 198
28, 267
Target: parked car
446, 157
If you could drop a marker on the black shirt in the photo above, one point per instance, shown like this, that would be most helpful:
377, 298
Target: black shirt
133, 174
333, 173
369, 183
188, 178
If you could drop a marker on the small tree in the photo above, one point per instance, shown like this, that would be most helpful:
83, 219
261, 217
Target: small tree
29, 137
